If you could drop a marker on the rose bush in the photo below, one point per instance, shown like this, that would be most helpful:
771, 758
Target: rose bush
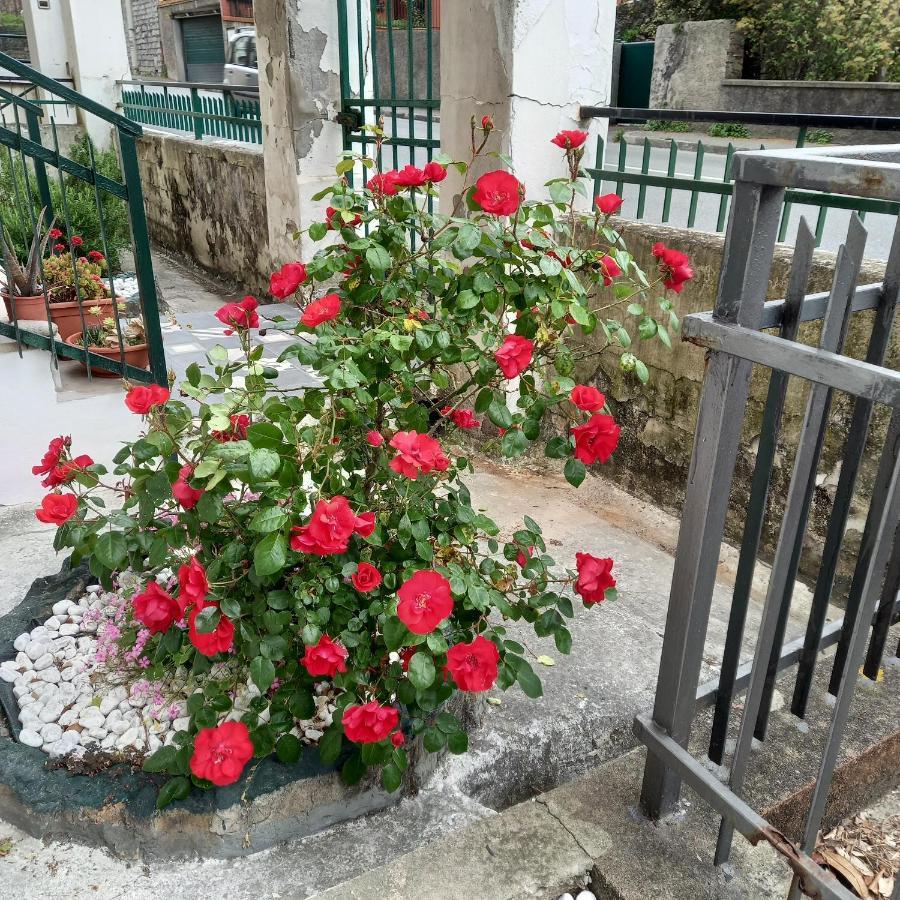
327, 534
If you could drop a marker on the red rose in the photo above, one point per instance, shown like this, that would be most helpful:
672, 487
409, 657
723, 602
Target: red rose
57, 509
143, 398
609, 269
156, 609
193, 585
499, 193
239, 315
464, 418
321, 310
50, 460
487, 123
76, 241
237, 432
219, 640
66, 470
596, 439
594, 577
473, 667
384, 184
327, 658
370, 723
569, 140
524, 555
587, 398
55, 234
330, 214
608, 203
417, 453
674, 266
221, 753
328, 531
425, 601
435, 172
410, 176
187, 496
514, 355
364, 524
397, 739
96, 256
374, 439
287, 279
366, 578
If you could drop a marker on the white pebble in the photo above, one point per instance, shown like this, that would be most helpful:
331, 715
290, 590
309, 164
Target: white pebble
69, 629
97, 733
52, 624
30, 738
586, 895
108, 742
22, 689
91, 717
61, 643
182, 723
43, 662
93, 588
51, 733
23, 661
61, 607
127, 738
22, 641
69, 717
117, 726
69, 673
9, 675
51, 675
40, 633
154, 743
51, 712
566, 897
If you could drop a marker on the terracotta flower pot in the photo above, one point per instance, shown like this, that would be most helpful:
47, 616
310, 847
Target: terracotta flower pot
136, 355
27, 309
68, 320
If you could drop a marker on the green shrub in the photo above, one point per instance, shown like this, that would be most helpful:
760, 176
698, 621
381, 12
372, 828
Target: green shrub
818, 136
660, 125
728, 130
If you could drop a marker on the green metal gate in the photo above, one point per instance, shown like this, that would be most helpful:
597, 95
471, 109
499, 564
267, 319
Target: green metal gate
635, 71
389, 72
203, 42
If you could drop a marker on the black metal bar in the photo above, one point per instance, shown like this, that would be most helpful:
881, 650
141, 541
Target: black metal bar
854, 448
741, 293
793, 120
834, 331
759, 492
888, 611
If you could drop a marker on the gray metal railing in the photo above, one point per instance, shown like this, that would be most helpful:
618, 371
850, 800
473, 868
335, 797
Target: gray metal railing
733, 335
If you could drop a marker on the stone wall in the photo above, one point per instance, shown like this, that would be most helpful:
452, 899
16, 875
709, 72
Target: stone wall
658, 419
144, 42
206, 200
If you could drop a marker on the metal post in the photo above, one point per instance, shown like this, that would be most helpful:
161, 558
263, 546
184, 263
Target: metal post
198, 114
742, 289
40, 170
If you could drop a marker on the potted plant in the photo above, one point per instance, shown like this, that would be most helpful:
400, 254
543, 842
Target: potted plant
75, 287
22, 295
103, 339
281, 554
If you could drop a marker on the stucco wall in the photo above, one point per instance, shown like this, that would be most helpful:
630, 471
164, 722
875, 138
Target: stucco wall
658, 419
206, 200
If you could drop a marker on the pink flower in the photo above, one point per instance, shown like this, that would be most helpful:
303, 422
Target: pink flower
374, 439
514, 355
569, 140
594, 577
425, 601
240, 316
369, 723
327, 658
417, 453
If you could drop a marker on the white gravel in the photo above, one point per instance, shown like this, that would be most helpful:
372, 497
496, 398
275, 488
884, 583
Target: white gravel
78, 691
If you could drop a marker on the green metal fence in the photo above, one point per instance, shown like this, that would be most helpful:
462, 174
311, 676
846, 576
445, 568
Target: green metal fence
67, 221
379, 64
198, 109
700, 182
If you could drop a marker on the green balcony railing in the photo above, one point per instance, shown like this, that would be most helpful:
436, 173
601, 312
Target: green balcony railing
203, 110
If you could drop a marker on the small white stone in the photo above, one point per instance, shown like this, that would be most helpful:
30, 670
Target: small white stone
68, 673
91, 717
586, 895
51, 675
67, 692
21, 689
22, 661
69, 628
9, 675
182, 724
72, 737
566, 897
40, 633
127, 738
61, 643
108, 742
313, 734
51, 712
61, 607
93, 588
30, 716
22, 641
42, 662
69, 717
154, 743
118, 726
51, 733
97, 733
52, 624
30, 738
108, 704
36, 649
27, 676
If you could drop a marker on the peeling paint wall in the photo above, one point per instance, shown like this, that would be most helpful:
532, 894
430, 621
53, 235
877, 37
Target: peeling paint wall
658, 419
206, 200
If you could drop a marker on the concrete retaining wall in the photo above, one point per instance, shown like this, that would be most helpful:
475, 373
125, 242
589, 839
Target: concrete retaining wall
658, 419
206, 200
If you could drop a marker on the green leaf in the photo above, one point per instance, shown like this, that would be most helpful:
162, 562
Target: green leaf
111, 549
270, 554
354, 769
391, 778
174, 789
514, 443
421, 670
207, 620
268, 519
467, 300
500, 415
434, 740
330, 744
557, 448
634, 309
458, 742
574, 471
395, 633
262, 671
264, 463
379, 259
528, 681
287, 749
209, 507
641, 371
318, 230
161, 760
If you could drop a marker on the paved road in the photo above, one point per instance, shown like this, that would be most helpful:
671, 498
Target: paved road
880, 227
